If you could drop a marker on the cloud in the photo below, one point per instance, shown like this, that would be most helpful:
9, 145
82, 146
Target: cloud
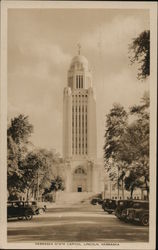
113, 38
44, 50
37, 79
39, 50
38, 58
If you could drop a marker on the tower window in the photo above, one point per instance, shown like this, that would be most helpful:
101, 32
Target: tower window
79, 81
79, 171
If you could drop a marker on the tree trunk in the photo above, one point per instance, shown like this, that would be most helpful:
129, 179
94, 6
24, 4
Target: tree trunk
27, 196
131, 193
54, 196
147, 193
147, 188
142, 196
122, 190
118, 185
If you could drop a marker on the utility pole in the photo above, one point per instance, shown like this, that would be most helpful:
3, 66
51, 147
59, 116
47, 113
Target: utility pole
104, 190
122, 190
118, 185
37, 186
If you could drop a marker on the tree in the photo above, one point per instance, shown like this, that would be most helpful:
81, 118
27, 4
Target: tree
132, 182
18, 133
116, 124
56, 184
38, 171
126, 150
115, 155
20, 129
28, 171
138, 141
13, 172
140, 52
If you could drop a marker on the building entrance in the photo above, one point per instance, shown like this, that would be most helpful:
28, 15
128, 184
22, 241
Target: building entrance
79, 180
79, 189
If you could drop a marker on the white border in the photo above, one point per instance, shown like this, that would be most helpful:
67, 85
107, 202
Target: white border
5, 5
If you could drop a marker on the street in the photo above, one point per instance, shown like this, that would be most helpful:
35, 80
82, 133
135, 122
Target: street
82, 222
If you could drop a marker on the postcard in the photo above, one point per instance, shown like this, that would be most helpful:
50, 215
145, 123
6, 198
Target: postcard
78, 124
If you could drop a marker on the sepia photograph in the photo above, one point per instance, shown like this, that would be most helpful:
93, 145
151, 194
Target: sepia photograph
78, 102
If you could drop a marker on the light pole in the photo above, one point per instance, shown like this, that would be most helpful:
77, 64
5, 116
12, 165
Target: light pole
104, 190
37, 186
118, 184
38, 196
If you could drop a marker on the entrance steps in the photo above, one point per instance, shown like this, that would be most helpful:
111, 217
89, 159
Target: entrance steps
74, 197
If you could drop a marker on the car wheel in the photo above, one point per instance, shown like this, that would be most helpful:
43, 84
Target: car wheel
20, 218
145, 220
110, 212
28, 217
125, 220
36, 212
40, 211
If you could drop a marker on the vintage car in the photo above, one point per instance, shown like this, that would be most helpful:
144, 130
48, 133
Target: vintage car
109, 205
121, 210
94, 201
139, 212
100, 201
36, 207
104, 202
18, 209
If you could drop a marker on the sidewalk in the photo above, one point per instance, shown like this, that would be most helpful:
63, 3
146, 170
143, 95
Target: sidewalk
62, 205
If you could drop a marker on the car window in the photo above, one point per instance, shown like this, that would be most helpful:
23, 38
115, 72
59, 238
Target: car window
34, 203
129, 203
9, 204
136, 205
121, 203
15, 204
146, 205
20, 203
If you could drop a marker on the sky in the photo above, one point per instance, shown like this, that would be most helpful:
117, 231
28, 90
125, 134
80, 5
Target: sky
41, 45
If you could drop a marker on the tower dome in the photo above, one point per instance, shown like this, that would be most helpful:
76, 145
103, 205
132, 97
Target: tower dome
79, 61
79, 73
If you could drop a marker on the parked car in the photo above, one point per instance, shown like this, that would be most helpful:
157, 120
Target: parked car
104, 202
94, 201
121, 210
109, 205
139, 212
18, 209
36, 207
100, 201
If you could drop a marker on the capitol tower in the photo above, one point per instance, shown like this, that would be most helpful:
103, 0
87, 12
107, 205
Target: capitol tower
83, 174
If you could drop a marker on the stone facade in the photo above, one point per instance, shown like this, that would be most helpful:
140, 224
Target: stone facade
83, 173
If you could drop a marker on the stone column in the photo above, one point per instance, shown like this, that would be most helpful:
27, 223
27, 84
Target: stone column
94, 178
69, 135
67, 123
89, 177
68, 177
92, 133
